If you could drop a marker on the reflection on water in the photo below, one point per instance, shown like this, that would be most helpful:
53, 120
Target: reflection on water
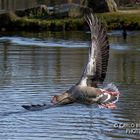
32, 73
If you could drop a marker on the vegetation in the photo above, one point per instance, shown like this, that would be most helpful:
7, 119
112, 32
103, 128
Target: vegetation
113, 21
53, 25
131, 19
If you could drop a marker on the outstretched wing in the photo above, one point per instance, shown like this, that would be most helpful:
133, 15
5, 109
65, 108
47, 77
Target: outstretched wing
95, 70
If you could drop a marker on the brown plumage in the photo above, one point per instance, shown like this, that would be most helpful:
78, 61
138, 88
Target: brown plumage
86, 91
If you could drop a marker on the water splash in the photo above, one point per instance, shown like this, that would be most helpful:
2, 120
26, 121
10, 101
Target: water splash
111, 86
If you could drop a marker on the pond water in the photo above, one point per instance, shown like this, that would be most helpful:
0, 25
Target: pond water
36, 66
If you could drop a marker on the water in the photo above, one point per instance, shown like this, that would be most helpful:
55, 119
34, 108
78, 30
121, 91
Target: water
36, 66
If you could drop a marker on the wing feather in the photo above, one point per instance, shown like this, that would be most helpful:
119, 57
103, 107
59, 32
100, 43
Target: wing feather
95, 70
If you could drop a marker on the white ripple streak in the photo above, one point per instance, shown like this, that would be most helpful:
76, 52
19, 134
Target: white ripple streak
44, 43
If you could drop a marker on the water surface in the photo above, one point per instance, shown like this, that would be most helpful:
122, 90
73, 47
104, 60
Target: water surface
36, 66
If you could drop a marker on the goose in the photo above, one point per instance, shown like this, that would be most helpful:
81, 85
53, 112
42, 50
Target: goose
87, 89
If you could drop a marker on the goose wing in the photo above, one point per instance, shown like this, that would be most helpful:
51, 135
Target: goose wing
95, 70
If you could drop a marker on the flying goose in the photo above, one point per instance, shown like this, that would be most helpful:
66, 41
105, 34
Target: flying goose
86, 91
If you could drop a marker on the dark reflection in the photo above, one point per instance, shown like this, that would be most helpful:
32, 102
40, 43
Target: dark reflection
126, 65
33, 74
58, 64
5, 72
124, 31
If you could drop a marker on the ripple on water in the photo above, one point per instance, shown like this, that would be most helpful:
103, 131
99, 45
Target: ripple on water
34, 74
44, 43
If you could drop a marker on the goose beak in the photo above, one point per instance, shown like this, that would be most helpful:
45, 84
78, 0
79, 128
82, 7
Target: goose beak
54, 99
